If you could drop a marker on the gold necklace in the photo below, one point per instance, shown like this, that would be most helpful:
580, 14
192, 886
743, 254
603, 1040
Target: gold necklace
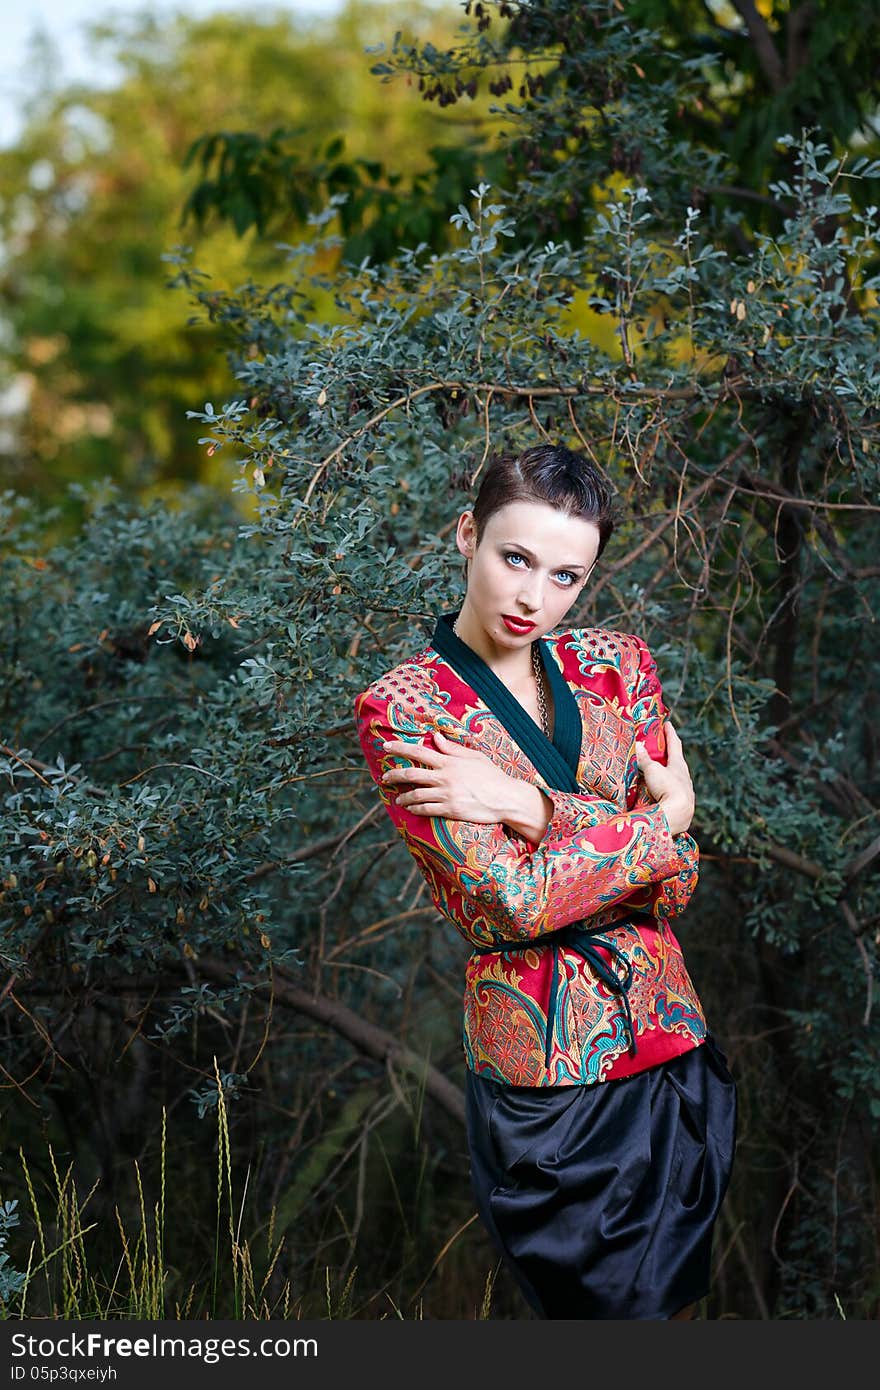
542, 698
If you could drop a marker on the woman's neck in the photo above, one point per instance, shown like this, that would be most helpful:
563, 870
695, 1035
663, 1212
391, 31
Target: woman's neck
512, 666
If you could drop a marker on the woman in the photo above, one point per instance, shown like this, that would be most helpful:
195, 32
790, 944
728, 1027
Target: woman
535, 779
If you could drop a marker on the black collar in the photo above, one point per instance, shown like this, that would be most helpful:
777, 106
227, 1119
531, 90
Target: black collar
557, 761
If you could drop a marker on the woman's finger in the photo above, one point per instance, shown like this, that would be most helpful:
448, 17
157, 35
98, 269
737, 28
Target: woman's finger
417, 752
430, 775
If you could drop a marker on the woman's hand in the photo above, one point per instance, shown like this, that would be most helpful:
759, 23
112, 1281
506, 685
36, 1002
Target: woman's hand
455, 781
670, 785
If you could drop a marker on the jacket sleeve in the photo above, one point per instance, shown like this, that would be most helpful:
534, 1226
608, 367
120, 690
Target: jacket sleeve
492, 883
669, 896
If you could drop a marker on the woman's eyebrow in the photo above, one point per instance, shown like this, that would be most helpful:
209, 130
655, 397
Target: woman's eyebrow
531, 555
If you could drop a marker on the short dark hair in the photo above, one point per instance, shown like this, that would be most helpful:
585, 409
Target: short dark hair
552, 474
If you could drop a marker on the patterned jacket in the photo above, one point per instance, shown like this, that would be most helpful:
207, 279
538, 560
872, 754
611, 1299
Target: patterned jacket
607, 857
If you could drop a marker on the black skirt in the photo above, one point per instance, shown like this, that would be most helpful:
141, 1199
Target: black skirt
603, 1198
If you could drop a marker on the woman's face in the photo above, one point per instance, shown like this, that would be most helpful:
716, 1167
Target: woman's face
531, 564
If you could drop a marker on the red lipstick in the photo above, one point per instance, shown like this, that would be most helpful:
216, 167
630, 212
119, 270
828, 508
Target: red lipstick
518, 625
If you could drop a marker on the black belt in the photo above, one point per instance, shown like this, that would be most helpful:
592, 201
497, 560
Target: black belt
584, 940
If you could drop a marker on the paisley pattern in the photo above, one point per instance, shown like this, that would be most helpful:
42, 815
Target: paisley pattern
607, 855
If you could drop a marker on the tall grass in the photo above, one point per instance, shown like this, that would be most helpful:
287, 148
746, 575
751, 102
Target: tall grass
57, 1274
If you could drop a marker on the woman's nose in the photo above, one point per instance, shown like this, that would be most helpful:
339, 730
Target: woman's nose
530, 594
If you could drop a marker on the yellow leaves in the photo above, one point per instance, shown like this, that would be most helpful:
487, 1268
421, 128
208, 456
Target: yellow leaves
259, 477
154, 627
322, 396
180, 917
188, 951
737, 307
265, 941
751, 287
233, 622
152, 885
640, 71
189, 641
142, 844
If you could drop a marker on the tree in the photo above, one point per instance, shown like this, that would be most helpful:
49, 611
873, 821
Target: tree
92, 195
733, 404
690, 96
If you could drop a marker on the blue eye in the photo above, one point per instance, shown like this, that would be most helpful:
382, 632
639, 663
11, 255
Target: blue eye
511, 556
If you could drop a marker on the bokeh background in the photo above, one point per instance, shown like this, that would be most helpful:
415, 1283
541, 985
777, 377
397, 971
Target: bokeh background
100, 109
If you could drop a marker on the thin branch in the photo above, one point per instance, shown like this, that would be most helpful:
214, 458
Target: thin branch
797, 52
731, 190
103, 704
762, 42
528, 392
366, 1037
862, 859
850, 919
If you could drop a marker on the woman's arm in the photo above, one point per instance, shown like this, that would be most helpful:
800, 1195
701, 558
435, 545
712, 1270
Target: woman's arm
491, 882
669, 897
533, 808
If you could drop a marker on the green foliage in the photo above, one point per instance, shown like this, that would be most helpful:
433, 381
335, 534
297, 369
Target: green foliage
724, 376
11, 1280
254, 181
690, 97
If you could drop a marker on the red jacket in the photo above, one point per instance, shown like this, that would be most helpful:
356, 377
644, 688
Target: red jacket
607, 856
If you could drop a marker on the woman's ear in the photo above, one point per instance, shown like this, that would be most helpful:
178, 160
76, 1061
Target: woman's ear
466, 534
